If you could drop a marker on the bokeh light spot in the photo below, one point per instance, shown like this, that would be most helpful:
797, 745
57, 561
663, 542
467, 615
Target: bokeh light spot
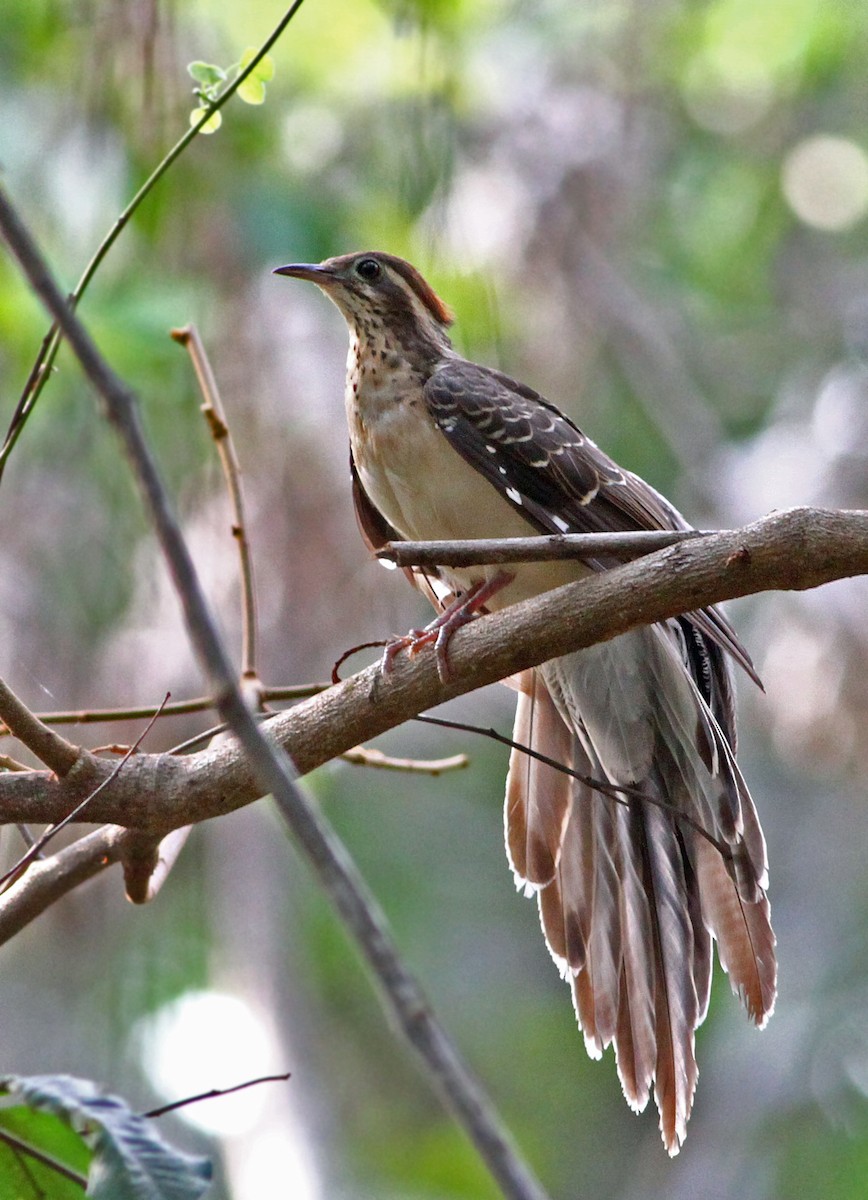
206, 1040
825, 182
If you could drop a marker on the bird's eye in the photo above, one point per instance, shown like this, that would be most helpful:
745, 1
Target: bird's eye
369, 269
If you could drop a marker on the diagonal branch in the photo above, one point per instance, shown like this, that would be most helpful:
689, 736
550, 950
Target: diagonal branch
50, 879
271, 768
49, 747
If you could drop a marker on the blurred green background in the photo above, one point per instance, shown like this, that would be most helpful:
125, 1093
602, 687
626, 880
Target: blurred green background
655, 213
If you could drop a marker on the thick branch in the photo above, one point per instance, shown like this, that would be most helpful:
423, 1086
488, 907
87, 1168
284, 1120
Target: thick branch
49, 879
798, 549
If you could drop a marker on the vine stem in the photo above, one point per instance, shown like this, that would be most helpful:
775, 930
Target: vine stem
41, 369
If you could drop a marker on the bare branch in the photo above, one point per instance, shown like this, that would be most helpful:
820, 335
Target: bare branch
272, 769
215, 1092
365, 756
49, 747
214, 414
798, 549
35, 849
101, 716
533, 549
48, 880
11, 764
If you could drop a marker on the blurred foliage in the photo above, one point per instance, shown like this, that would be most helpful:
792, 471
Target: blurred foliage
600, 190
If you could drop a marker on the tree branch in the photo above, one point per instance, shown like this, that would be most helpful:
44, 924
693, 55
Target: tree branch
50, 879
798, 549
533, 549
215, 417
270, 767
49, 747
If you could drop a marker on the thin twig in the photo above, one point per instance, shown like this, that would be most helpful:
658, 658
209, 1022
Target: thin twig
53, 1164
208, 736
49, 747
215, 1092
41, 842
265, 695
619, 794
365, 756
104, 716
27, 835
215, 416
199, 739
41, 369
533, 549
11, 764
272, 768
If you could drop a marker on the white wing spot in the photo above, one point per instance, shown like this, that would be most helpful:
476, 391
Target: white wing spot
514, 495
502, 470
491, 450
563, 526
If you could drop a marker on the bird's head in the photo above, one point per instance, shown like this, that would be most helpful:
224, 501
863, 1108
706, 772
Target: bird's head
381, 296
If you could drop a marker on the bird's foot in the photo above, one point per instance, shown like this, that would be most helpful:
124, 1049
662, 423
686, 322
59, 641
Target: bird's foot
463, 609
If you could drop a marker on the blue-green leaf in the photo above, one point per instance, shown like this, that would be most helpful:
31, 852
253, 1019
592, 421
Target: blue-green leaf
130, 1159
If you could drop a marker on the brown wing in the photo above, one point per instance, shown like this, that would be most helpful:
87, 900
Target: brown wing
538, 458
562, 482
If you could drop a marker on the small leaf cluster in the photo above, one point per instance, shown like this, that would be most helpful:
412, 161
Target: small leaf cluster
211, 79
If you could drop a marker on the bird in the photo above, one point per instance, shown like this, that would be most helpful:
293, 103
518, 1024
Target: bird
651, 849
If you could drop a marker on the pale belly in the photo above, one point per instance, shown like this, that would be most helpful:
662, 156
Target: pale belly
428, 492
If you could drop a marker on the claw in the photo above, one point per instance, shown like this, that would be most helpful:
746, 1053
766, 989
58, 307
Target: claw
461, 611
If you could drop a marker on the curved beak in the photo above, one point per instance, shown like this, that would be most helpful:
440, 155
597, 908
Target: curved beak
315, 272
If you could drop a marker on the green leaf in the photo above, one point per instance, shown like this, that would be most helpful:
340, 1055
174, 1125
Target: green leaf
252, 90
263, 70
206, 73
130, 1159
25, 1178
210, 126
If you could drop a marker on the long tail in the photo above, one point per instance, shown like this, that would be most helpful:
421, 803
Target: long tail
630, 896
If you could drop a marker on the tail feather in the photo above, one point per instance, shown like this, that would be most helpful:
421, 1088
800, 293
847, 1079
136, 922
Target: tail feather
636, 1066
635, 1040
630, 896
745, 939
537, 795
677, 1008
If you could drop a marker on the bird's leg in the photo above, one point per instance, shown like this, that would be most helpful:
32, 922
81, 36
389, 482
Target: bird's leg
462, 610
